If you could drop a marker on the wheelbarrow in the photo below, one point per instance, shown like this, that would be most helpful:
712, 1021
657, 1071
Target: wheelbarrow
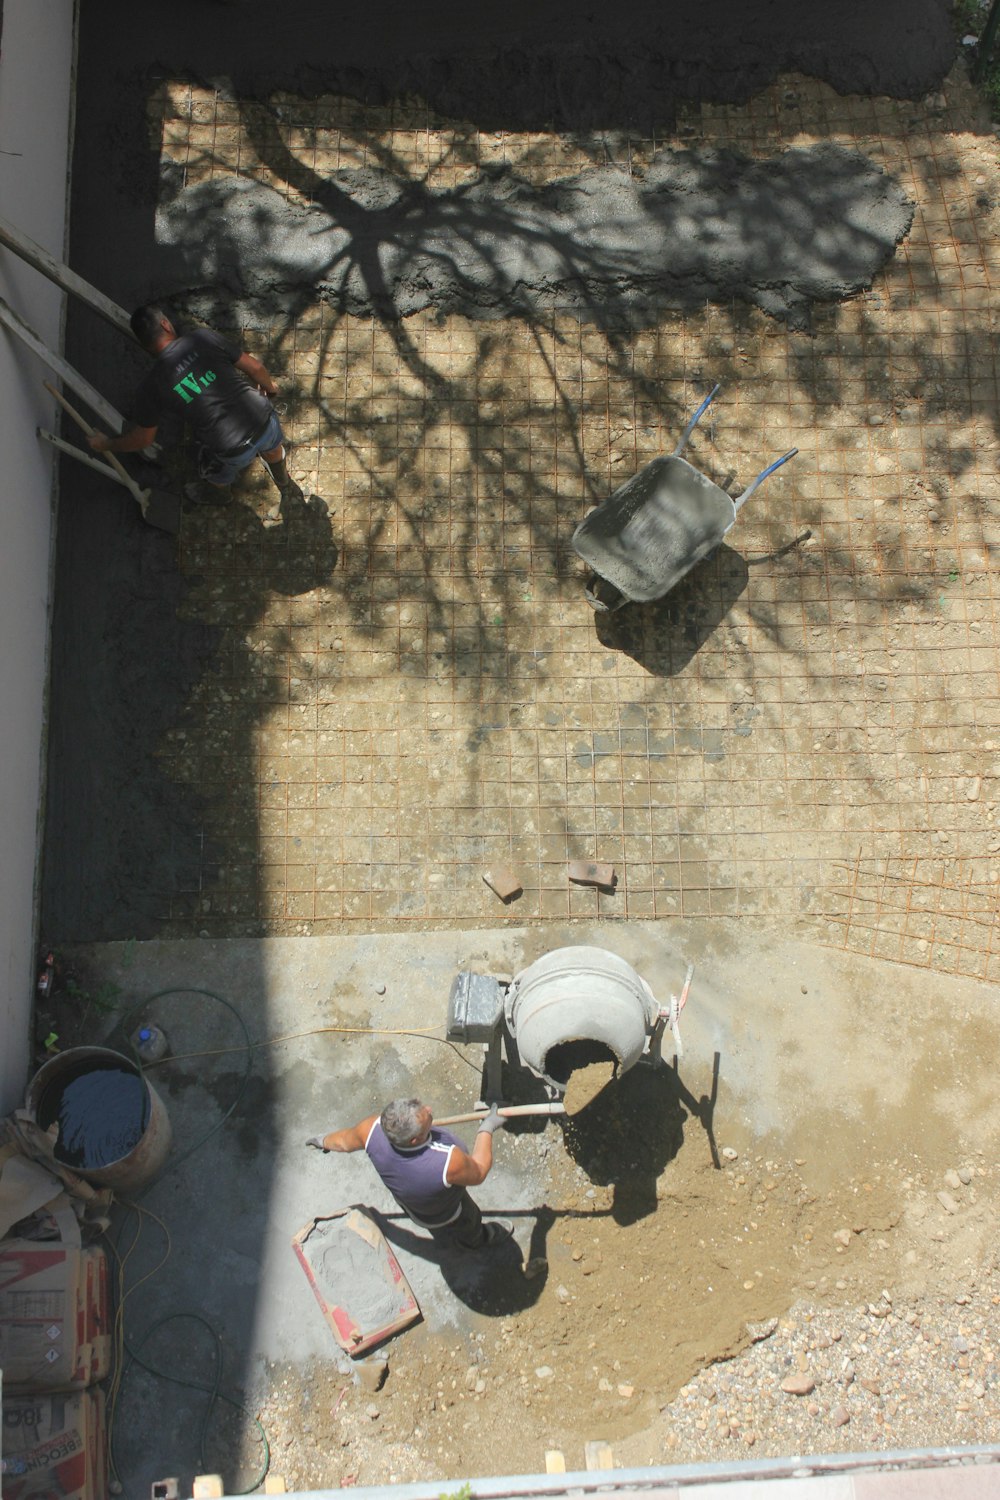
645, 537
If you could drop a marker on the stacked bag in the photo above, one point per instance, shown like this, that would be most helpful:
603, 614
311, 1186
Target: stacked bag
55, 1338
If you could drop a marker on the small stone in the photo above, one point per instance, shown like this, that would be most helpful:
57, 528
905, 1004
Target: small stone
626, 1391
604, 1384
544, 1372
798, 1385
562, 1293
729, 1154
480, 1386
372, 1412
872, 1386
839, 1416
960, 1344
813, 1409
760, 1331
380, 989
471, 1376
748, 1286
536, 1266
842, 1236
952, 1180
948, 1203
749, 1438
964, 1176
804, 989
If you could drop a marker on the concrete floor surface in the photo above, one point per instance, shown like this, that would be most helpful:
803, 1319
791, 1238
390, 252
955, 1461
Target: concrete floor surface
415, 690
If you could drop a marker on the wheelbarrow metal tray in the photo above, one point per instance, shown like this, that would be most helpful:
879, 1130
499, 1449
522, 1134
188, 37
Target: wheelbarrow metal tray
655, 528
358, 1282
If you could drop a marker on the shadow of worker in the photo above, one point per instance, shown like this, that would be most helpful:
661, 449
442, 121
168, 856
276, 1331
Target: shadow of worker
298, 552
495, 1281
664, 635
627, 1134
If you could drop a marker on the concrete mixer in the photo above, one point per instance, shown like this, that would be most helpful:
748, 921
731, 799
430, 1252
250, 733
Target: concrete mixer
571, 1007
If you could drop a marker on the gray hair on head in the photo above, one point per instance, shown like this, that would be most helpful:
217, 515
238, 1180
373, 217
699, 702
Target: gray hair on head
401, 1121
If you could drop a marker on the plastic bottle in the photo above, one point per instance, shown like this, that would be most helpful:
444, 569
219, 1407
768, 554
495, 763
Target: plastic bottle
149, 1042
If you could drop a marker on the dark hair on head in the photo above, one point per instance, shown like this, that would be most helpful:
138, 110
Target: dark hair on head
147, 323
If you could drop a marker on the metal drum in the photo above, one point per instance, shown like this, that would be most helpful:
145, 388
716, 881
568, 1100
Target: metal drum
121, 1132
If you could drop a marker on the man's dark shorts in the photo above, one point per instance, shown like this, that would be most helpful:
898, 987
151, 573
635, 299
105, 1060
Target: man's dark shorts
223, 469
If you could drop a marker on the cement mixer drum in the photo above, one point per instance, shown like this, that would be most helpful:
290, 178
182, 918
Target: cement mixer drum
576, 1005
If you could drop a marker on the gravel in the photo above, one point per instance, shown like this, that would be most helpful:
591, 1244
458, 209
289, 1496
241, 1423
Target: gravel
913, 1373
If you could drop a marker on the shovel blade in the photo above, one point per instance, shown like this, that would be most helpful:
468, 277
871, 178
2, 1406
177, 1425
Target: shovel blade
163, 510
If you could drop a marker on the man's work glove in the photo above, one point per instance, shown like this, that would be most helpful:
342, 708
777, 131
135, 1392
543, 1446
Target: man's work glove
493, 1121
317, 1141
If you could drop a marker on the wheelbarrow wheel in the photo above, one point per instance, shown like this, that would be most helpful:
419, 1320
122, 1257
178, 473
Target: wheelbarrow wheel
602, 596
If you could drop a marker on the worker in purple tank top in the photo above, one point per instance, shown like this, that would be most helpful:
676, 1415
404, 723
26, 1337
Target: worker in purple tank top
426, 1169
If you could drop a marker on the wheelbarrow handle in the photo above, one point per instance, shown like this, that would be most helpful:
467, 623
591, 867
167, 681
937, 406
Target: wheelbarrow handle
694, 420
762, 476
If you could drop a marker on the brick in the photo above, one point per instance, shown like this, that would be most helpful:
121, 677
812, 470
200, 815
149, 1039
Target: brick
503, 882
588, 872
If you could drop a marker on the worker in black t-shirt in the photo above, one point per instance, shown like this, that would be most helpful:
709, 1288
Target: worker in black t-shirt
220, 389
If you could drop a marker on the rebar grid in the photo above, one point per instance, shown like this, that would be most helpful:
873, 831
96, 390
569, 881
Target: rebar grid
443, 701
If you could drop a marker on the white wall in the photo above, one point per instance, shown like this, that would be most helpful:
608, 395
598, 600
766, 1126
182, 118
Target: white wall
36, 89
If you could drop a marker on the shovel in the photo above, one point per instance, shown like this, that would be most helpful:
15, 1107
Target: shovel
159, 507
506, 1112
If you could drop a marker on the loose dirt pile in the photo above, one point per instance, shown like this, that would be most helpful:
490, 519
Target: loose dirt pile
654, 1270
585, 1084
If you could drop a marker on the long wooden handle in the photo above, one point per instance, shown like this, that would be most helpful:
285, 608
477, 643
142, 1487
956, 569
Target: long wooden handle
112, 458
65, 371
16, 240
506, 1111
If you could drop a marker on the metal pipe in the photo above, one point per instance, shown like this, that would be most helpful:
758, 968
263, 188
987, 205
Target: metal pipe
690, 1477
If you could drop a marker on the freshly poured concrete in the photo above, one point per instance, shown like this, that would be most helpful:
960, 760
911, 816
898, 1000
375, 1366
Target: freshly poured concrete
611, 244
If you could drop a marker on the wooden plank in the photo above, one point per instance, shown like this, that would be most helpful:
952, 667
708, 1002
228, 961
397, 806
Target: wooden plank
65, 371
207, 1487
555, 1461
13, 239
597, 1455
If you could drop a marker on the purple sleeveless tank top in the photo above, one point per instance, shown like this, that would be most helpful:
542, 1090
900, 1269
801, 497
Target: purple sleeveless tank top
415, 1175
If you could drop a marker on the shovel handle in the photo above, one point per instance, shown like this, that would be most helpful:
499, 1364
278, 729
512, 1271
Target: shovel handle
112, 458
506, 1111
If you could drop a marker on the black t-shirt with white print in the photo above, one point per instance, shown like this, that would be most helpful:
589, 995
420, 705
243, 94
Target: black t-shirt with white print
195, 376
